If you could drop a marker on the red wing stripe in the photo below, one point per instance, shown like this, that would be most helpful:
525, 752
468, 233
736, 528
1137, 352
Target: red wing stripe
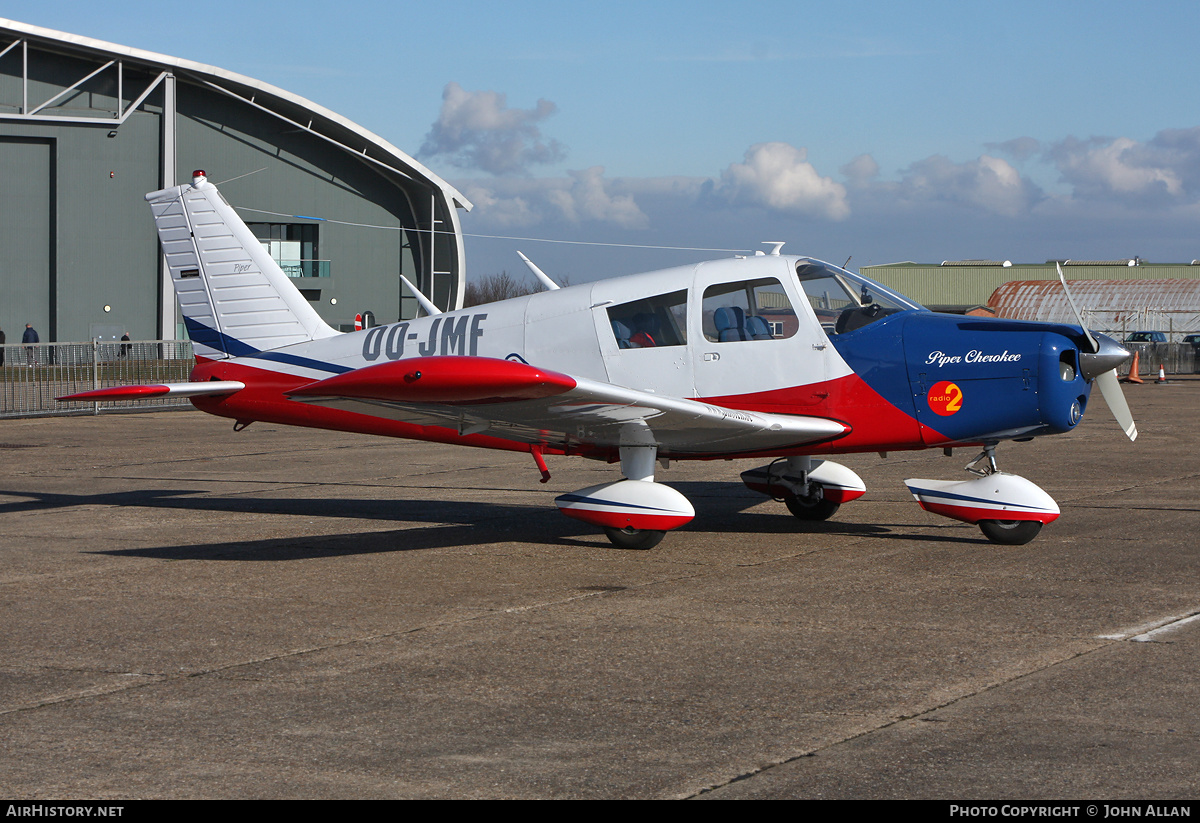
444, 380
118, 393
143, 392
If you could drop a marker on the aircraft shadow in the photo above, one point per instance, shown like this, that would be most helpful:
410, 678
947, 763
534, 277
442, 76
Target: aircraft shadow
440, 511
362, 543
720, 509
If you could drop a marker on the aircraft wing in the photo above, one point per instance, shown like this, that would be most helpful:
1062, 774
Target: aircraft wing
515, 401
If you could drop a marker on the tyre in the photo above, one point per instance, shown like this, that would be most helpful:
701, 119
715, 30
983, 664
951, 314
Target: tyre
810, 509
634, 538
1010, 532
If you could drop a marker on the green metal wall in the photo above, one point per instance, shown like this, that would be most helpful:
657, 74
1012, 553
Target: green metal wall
79, 205
934, 285
25, 235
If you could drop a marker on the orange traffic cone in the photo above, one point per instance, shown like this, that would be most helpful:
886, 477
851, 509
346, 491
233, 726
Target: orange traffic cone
1162, 374
1133, 371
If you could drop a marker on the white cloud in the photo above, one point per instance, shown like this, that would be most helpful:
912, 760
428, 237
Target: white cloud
1127, 198
860, 171
987, 183
583, 196
1019, 148
502, 212
779, 177
1098, 167
477, 130
589, 198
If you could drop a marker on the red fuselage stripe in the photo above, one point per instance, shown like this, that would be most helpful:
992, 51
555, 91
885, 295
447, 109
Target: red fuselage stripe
876, 425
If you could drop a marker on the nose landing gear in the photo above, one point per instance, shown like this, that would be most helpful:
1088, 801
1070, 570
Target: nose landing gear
1008, 509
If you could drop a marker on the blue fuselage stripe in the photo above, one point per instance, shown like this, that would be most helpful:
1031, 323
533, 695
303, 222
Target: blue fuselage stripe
233, 347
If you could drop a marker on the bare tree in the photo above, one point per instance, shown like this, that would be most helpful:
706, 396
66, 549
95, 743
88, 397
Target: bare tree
502, 286
495, 287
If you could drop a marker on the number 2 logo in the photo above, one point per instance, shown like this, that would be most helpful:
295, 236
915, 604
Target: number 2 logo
945, 398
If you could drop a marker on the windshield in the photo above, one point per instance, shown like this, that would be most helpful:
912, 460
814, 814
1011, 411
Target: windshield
844, 301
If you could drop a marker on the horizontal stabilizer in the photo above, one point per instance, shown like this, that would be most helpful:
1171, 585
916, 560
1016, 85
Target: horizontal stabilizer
148, 392
450, 381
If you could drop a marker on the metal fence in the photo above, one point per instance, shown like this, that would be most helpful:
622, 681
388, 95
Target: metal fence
1175, 358
31, 376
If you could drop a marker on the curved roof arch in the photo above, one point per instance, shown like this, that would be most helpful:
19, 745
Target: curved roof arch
256, 92
142, 71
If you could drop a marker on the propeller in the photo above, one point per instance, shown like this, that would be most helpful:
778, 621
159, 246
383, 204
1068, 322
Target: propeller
1100, 365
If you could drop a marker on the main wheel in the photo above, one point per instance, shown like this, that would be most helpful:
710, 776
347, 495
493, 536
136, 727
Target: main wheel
1010, 532
634, 538
811, 508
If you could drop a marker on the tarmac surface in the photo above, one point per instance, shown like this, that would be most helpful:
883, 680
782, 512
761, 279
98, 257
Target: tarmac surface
193, 613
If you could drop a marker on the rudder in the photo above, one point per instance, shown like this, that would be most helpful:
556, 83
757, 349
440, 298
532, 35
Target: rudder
235, 299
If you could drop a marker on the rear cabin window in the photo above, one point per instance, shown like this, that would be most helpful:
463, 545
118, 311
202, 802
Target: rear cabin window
651, 322
748, 310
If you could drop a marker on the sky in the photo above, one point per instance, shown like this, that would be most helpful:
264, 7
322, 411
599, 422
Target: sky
870, 131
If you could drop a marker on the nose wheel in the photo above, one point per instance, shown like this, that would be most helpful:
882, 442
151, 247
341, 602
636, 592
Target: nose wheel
1004, 532
1008, 509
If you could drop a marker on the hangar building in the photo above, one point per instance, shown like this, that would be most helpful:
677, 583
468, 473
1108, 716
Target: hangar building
88, 127
959, 285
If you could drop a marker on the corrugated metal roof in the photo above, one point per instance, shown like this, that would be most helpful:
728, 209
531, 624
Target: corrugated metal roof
931, 284
1124, 261
1165, 305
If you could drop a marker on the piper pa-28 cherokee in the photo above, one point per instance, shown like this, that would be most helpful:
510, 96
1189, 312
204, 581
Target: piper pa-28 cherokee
768, 356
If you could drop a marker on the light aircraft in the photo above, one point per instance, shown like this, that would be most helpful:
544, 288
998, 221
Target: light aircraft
769, 356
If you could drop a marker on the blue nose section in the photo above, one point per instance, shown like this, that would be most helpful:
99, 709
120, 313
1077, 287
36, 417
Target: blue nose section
971, 380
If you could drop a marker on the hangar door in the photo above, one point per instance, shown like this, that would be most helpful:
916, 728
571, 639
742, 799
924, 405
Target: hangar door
26, 237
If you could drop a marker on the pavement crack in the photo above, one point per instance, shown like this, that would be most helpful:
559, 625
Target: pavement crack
85, 694
921, 715
156, 679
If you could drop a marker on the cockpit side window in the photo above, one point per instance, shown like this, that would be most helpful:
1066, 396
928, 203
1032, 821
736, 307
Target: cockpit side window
651, 322
747, 310
843, 301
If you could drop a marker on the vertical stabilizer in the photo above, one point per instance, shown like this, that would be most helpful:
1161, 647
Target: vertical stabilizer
235, 298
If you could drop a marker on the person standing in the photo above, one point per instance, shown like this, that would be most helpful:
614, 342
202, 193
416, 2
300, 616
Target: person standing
30, 336
2, 339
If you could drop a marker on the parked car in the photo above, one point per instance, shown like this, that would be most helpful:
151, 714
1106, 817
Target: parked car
1146, 337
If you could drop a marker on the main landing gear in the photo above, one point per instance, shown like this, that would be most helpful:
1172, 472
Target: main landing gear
811, 489
1008, 509
635, 512
813, 507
